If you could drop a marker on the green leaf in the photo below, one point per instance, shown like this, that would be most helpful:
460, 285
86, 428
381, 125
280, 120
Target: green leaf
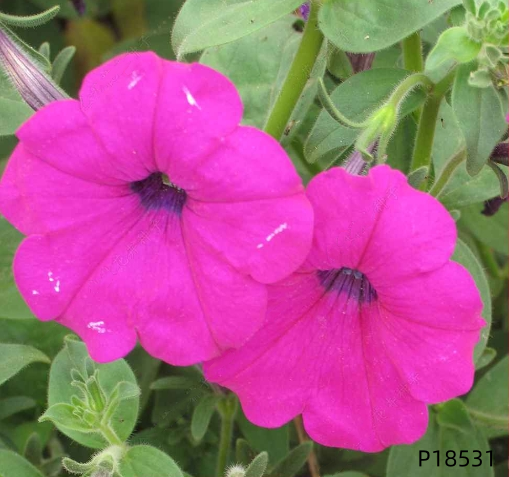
244, 454
201, 416
258, 466
145, 368
480, 116
465, 256
273, 441
74, 356
30, 21
13, 305
62, 415
15, 357
356, 98
462, 189
33, 449
450, 430
257, 64
454, 45
145, 461
488, 402
416, 177
13, 465
205, 23
488, 355
502, 179
45, 50
293, 462
338, 63
490, 230
13, 112
175, 382
61, 63
363, 26
14, 404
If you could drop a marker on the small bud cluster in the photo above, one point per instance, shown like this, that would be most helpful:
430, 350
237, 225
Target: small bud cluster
489, 25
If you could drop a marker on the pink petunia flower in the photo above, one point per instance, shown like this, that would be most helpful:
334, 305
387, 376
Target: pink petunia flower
376, 323
151, 213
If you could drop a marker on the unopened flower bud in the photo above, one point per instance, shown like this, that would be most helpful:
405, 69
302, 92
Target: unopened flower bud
36, 89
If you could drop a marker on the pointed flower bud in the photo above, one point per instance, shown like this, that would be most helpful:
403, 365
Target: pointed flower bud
34, 86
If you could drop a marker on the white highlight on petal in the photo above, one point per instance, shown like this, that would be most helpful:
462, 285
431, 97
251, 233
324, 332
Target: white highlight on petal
97, 326
277, 231
190, 98
50, 277
35, 292
57, 286
135, 79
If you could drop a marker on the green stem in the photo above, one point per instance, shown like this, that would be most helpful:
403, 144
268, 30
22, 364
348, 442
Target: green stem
110, 435
412, 53
411, 82
227, 409
297, 76
447, 172
328, 105
427, 124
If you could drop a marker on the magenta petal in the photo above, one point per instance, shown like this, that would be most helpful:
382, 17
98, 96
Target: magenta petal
431, 335
233, 303
61, 136
33, 207
274, 373
378, 224
318, 356
267, 239
126, 197
249, 165
362, 402
119, 98
197, 108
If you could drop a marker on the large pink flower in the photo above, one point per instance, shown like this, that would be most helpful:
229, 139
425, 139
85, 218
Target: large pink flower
377, 322
152, 213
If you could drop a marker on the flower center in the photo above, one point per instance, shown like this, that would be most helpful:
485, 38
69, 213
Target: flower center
157, 192
346, 280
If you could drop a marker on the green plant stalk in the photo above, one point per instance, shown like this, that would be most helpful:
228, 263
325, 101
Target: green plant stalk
328, 105
427, 124
109, 434
227, 410
411, 82
447, 172
416, 80
298, 75
412, 53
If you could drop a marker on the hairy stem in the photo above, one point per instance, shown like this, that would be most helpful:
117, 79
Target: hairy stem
297, 76
427, 124
412, 53
447, 172
314, 468
227, 409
